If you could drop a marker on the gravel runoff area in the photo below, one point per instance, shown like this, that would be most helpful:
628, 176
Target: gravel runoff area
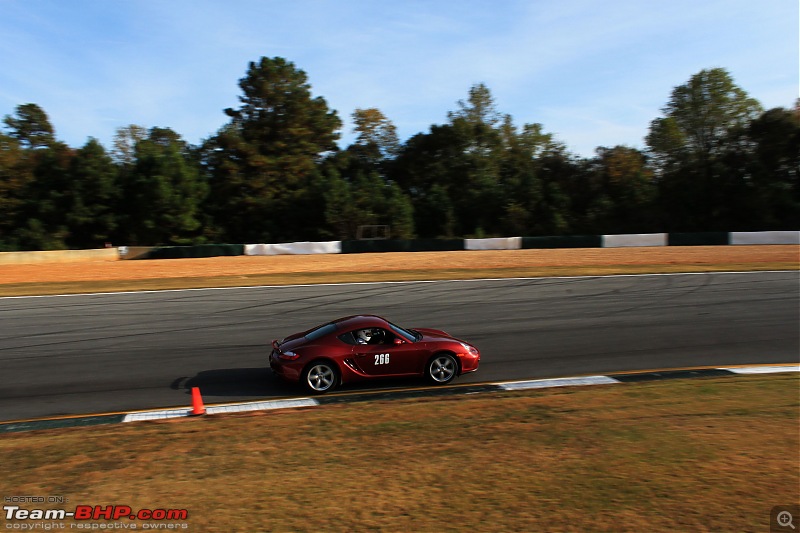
693, 258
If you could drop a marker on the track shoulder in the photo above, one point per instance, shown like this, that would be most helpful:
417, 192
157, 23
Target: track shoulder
396, 394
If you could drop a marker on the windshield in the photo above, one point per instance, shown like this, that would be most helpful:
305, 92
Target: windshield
410, 336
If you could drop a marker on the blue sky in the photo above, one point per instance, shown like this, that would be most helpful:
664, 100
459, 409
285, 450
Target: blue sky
592, 72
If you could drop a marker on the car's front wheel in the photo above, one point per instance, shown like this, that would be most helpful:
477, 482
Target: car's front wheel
320, 377
442, 368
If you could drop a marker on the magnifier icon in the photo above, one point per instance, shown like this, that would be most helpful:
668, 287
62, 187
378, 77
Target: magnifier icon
785, 519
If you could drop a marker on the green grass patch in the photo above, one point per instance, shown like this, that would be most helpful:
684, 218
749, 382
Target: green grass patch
680, 455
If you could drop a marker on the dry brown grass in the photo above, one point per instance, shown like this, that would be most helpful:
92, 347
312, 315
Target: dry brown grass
291, 269
693, 455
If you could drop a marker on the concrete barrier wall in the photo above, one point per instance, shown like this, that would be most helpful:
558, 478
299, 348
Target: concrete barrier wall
294, 248
765, 237
643, 239
58, 256
500, 243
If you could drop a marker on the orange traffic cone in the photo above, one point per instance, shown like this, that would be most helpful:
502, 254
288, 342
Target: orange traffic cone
197, 403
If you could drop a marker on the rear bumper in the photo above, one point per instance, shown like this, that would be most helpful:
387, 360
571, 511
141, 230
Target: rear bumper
286, 370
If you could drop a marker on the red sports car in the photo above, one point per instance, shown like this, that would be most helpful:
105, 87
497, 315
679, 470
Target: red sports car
363, 347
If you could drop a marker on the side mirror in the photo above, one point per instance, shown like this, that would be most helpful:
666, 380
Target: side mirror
398, 341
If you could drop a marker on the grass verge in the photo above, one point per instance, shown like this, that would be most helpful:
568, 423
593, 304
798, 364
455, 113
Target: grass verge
683, 455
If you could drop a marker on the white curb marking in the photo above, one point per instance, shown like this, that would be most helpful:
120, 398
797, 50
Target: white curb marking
218, 409
763, 369
261, 406
157, 415
557, 382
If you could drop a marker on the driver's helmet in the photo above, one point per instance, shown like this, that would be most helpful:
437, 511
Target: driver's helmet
364, 335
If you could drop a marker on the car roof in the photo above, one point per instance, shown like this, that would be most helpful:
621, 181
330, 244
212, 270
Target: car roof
360, 321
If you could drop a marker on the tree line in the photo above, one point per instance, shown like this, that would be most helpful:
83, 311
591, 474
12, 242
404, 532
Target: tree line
715, 161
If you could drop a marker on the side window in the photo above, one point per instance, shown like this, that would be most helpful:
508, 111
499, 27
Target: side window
347, 338
385, 337
372, 336
378, 336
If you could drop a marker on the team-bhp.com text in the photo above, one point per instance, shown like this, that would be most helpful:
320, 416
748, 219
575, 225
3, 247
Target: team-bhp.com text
90, 516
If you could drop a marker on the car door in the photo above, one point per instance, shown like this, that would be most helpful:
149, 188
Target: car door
390, 357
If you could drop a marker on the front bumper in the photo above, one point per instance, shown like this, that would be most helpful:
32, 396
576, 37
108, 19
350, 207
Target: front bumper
469, 362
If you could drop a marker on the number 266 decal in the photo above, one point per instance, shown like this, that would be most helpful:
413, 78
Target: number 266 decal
381, 358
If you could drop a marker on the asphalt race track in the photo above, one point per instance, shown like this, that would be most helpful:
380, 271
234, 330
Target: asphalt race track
120, 352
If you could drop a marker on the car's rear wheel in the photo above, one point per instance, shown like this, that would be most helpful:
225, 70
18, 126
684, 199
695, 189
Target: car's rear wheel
320, 377
442, 368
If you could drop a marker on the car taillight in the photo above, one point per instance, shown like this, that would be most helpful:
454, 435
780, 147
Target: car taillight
289, 356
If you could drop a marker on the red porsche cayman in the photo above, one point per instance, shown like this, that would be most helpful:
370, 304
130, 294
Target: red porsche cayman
363, 347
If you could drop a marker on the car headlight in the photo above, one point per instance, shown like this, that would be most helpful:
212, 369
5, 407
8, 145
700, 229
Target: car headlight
470, 349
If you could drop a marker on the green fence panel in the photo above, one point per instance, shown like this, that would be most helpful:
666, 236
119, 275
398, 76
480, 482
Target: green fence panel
437, 245
708, 238
566, 241
396, 245
200, 250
